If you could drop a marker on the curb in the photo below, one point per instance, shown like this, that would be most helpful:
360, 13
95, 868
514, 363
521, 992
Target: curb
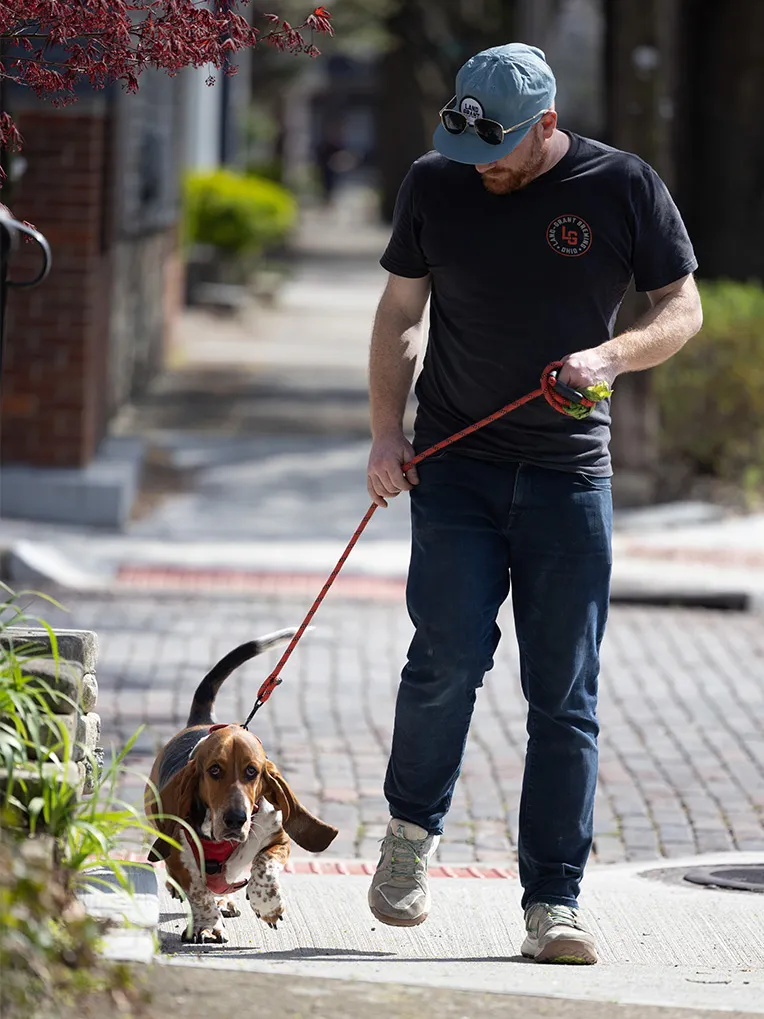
356, 868
34, 562
724, 601
133, 918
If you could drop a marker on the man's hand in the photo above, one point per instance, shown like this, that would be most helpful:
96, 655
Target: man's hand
384, 477
586, 368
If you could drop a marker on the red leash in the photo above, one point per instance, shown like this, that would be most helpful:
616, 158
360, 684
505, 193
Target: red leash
553, 392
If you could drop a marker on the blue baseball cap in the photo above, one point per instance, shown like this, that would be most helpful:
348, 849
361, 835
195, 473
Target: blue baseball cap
510, 84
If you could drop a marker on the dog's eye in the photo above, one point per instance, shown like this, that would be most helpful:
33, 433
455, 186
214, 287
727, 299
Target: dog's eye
250, 772
215, 771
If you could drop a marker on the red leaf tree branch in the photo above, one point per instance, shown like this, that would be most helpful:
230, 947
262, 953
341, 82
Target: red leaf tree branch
52, 46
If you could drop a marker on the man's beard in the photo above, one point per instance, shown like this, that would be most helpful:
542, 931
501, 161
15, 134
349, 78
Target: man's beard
502, 181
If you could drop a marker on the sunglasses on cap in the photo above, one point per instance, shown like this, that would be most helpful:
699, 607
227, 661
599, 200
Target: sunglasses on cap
489, 131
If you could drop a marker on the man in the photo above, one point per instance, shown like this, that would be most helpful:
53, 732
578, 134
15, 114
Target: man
525, 238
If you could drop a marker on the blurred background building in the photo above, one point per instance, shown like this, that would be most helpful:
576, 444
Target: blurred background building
677, 81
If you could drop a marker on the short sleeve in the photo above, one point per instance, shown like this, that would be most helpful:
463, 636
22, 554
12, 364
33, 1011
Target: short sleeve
403, 255
662, 251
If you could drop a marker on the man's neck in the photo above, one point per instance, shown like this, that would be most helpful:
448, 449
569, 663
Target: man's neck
557, 147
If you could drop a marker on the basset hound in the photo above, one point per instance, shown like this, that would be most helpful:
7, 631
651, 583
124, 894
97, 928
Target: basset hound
218, 780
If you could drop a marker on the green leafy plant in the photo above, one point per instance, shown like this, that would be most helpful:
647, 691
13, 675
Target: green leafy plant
50, 837
49, 946
238, 214
711, 395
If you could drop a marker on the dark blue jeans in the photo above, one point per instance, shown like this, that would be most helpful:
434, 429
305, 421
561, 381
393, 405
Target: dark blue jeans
475, 525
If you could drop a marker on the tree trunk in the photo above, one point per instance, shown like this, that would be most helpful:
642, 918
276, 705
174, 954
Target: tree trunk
721, 173
429, 40
641, 69
402, 127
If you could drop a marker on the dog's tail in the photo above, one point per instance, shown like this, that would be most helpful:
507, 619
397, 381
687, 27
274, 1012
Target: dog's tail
202, 706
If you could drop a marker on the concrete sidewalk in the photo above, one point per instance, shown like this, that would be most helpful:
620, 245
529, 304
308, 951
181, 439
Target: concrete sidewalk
662, 942
198, 992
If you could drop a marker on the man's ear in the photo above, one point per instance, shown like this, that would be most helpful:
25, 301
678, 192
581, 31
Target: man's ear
299, 824
178, 799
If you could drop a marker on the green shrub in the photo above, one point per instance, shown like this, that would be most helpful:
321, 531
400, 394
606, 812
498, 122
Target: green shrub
237, 213
49, 835
711, 394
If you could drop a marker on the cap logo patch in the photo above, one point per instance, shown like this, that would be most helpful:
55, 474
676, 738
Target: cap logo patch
569, 235
471, 109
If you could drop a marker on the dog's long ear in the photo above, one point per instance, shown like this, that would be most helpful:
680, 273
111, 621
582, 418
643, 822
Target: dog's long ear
299, 824
178, 798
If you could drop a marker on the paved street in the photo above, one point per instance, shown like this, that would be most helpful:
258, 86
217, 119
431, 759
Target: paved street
682, 748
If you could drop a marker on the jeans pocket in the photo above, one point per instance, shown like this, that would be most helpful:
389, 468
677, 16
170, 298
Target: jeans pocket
440, 455
593, 482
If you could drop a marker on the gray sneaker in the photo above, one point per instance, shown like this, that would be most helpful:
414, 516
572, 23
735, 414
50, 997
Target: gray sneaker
555, 934
399, 893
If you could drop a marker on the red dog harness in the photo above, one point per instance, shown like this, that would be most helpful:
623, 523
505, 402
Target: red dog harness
217, 854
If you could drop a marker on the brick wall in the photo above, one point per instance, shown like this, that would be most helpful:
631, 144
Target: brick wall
54, 377
102, 184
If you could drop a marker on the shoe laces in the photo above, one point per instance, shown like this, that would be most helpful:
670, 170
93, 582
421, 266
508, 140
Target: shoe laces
404, 855
565, 915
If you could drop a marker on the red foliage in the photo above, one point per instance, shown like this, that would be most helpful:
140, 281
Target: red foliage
50, 46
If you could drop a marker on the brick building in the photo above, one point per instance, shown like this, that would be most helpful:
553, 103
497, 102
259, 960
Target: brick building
102, 183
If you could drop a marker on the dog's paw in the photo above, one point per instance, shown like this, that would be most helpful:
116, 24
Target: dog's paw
228, 908
271, 919
264, 893
206, 935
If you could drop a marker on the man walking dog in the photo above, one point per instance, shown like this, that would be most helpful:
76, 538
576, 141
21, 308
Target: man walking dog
525, 238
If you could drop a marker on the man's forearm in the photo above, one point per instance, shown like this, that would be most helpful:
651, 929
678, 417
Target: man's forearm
392, 360
657, 335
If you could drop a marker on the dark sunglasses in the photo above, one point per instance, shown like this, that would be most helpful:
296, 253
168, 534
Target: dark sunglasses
489, 131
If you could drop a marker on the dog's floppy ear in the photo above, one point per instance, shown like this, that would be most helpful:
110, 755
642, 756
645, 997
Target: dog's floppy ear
299, 824
179, 799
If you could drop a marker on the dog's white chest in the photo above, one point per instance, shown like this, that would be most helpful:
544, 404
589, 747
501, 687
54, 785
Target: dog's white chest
264, 825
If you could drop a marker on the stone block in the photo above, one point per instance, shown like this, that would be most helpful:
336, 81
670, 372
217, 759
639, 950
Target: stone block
66, 682
73, 645
89, 692
91, 730
83, 732
28, 780
94, 765
100, 494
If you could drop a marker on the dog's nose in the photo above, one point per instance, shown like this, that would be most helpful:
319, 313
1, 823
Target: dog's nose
235, 818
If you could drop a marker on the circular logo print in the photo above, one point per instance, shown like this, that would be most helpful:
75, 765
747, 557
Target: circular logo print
569, 235
471, 109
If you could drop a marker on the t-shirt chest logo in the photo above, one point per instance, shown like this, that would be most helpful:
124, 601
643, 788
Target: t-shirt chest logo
569, 235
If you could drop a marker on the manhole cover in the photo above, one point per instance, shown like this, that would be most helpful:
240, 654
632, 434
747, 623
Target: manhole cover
746, 878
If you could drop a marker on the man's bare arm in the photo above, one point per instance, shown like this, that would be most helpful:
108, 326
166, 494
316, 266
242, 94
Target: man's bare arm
675, 316
395, 342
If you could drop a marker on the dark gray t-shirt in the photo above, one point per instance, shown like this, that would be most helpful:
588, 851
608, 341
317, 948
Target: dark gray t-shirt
522, 279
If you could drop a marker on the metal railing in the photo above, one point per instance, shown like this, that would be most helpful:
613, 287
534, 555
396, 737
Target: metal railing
10, 231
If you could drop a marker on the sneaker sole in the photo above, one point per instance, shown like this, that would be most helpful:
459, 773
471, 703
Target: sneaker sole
392, 921
566, 953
